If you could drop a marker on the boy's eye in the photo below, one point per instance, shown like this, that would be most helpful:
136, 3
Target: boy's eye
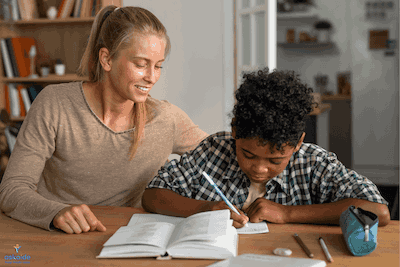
275, 162
248, 156
159, 67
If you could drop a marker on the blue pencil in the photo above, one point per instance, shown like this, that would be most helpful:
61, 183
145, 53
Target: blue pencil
230, 205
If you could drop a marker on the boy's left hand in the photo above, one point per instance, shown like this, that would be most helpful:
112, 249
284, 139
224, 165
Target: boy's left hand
265, 210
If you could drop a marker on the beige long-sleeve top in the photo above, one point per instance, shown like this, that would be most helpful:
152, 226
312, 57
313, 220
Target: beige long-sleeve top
73, 158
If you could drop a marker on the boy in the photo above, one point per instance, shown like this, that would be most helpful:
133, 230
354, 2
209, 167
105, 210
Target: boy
263, 167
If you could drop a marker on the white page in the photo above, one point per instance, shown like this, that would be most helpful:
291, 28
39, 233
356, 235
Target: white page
221, 247
152, 234
203, 225
254, 228
146, 218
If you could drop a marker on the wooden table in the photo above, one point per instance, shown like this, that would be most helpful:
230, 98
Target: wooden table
56, 248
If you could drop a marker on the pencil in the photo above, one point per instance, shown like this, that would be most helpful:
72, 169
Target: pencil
325, 249
303, 246
230, 205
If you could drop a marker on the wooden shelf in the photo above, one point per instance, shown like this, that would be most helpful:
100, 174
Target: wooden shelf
49, 79
311, 46
311, 15
335, 97
47, 21
322, 107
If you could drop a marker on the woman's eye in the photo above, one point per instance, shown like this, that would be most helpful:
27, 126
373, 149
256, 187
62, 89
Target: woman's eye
159, 67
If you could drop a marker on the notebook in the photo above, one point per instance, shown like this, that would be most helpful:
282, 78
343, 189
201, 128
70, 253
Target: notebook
255, 260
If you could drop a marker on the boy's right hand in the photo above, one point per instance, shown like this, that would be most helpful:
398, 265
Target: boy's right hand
77, 219
238, 220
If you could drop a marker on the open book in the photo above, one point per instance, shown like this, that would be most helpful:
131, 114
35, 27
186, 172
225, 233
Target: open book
252, 228
205, 235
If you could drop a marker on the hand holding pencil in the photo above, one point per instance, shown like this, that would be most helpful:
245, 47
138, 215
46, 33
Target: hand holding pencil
238, 221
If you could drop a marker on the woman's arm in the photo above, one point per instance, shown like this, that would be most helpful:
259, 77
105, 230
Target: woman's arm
187, 134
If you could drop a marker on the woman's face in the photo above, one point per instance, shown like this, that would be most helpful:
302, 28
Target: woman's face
136, 68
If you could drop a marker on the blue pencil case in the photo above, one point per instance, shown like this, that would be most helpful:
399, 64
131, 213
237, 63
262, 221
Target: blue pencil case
360, 230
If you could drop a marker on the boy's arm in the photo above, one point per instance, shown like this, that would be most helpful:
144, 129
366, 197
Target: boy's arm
327, 213
167, 202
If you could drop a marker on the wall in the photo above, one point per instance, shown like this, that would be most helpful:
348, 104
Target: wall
375, 86
192, 77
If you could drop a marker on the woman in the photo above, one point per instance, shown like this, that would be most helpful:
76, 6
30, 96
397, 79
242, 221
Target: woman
97, 142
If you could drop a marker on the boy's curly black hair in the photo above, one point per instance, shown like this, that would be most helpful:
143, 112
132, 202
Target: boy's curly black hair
271, 107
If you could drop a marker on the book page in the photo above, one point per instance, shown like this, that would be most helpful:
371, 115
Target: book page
254, 228
146, 218
202, 226
220, 247
151, 234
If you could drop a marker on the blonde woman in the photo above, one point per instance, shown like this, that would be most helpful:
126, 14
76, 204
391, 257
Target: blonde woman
97, 142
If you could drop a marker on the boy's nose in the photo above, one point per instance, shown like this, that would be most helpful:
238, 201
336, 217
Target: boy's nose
260, 169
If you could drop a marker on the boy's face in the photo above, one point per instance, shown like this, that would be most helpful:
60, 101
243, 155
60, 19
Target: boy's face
258, 163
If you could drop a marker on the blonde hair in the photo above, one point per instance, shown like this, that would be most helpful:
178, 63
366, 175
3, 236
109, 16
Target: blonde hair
114, 28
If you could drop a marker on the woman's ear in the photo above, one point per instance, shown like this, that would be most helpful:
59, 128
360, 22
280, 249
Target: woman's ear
105, 60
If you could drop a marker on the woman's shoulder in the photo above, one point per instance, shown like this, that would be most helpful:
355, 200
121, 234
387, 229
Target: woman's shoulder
164, 107
60, 90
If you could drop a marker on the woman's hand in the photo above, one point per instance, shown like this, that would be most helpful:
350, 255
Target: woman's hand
265, 210
77, 219
238, 220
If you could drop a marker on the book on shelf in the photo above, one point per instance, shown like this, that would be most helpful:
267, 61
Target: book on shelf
86, 8
205, 235
28, 9
13, 95
22, 107
66, 9
11, 133
25, 99
94, 8
7, 99
5, 12
11, 138
21, 47
8, 69
111, 2
17, 100
22, 10
77, 8
34, 90
12, 57
15, 14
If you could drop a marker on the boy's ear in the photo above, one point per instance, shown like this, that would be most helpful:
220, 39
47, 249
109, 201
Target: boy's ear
300, 142
233, 132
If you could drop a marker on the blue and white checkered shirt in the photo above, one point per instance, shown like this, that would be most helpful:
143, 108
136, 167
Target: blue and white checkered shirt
313, 176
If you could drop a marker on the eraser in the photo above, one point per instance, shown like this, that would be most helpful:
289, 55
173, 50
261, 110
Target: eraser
282, 251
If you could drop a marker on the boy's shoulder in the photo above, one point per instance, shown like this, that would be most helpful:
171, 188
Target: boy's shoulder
221, 143
313, 152
222, 138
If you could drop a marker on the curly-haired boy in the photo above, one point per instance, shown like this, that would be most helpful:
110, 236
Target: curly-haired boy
263, 167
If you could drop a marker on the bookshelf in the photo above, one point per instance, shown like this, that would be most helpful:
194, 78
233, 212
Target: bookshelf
63, 39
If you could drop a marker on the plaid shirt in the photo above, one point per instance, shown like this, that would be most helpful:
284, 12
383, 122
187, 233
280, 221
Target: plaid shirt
312, 176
